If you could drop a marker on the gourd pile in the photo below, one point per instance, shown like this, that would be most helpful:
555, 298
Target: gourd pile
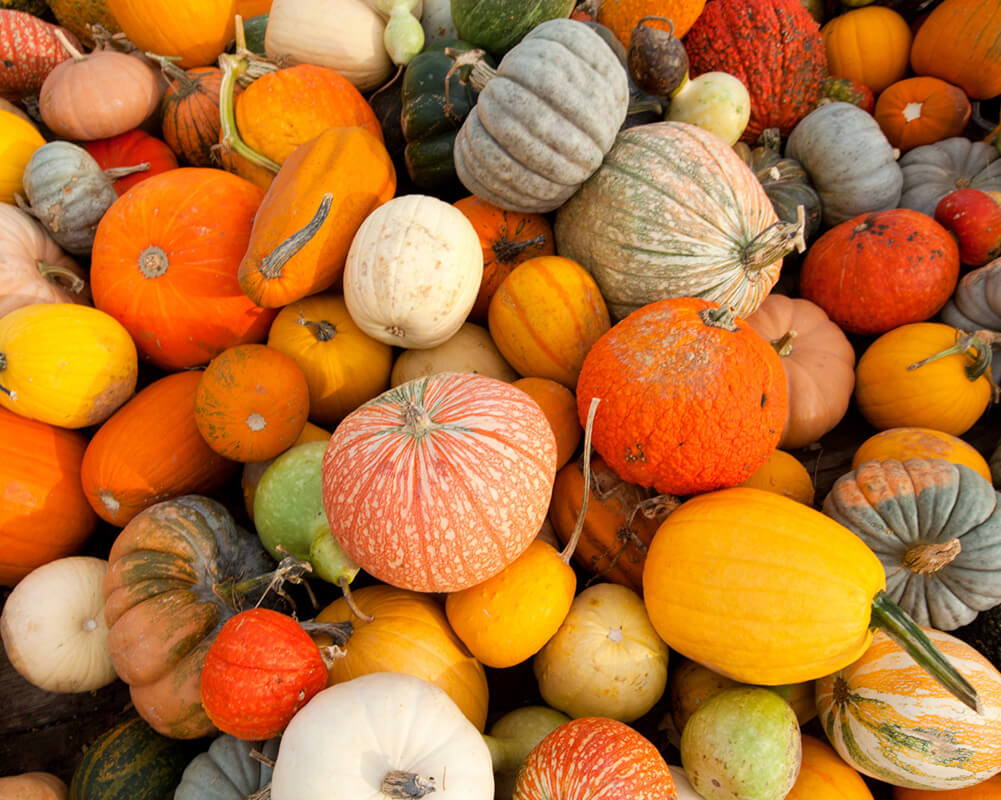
415, 399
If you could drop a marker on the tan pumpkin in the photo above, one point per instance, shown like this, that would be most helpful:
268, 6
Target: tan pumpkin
471, 349
33, 786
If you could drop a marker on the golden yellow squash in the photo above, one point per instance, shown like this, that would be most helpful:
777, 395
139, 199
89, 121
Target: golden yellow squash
18, 140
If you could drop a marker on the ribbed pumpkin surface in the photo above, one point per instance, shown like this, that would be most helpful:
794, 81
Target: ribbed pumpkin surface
190, 114
672, 212
890, 720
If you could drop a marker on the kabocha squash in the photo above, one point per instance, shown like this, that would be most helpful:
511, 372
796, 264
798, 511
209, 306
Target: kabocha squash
343, 366
903, 443
959, 44
150, 450
819, 365
176, 573
721, 561
171, 278
674, 212
823, 775
30, 50
382, 751
936, 528
19, 139
560, 407
889, 720
65, 364
925, 375
311, 212
976, 303
934, 170
698, 427
756, 42
44, 514
33, 268
470, 350
544, 121
413, 271
881, 270
194, 30
227, 771
870, 45
921, 111
471, 435
132, 149
189, 112
507, 23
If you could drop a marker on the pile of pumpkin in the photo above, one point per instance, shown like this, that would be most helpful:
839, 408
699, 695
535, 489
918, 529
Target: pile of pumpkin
470, 307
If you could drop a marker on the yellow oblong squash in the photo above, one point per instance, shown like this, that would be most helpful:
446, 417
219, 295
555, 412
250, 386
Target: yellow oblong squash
65, 364
760, 588
19, 139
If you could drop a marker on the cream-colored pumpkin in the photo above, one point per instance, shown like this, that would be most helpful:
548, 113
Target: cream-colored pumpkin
470, 350
33, 268
606, 660
413, 271
350, 737
715, 101
53, 626
344, 35
682, 785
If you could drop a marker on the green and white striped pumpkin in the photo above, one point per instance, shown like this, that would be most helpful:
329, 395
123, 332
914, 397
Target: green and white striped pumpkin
890, 720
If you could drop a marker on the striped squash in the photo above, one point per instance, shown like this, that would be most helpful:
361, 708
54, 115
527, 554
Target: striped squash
887, 718
674, 212
441, 482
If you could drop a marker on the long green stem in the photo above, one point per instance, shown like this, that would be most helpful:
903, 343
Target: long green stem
233, 67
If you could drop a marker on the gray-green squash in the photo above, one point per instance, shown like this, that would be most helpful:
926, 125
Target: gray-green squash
227, 770
976, 302
931, 171
848, 158
935, 527
545, 119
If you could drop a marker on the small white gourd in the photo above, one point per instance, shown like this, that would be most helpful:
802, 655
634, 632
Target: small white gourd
715, 101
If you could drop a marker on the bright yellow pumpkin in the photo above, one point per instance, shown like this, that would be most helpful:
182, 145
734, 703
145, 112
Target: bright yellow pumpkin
901, 443
785, 474
65, 364
18, 140
196, 31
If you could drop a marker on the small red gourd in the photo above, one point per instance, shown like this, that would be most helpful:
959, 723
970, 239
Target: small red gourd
131, 149
974, 218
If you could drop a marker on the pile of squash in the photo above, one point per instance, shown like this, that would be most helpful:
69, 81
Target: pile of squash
414, 398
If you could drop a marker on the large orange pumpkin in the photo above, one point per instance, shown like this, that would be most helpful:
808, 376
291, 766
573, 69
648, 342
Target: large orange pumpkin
692, 398
43, 512
194, 30
164, 265
960, 42
440, 482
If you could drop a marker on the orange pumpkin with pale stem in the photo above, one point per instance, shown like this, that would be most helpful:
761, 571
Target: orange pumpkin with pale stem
44, 514
344, 367
311, 212
508, 239
693, 398
901, 443
407, 632
251, 403
440, 482
958, 42
870, 45
170, 279
823, 775
920, 111
194, 30
560, 407
150, 450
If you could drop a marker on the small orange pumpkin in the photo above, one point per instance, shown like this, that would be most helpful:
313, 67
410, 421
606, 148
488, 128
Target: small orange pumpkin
920, 111
870, 45
560, 407
190, 112
784, 474
251, 403
901, 443
823, 775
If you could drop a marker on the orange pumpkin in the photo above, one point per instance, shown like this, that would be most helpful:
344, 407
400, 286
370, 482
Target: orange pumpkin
545, 316
621, 16
44, 514
900, 443
823, 775
311, 212
989, 789
558, 404
150, 450
508, 238
194, 30
344, 367
407, 632
693, 398
251, 403
783, 474
960, 42
190, 113
170, 278
919, 111
870, 45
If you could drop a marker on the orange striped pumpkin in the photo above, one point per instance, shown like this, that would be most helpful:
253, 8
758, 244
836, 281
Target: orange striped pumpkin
441, 482
890, 720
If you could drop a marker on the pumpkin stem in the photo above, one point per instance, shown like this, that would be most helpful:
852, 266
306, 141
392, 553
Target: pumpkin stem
234, 68
271, 266
905, 632
173, 72
770, 139
349, 598
259, 757
507, 250
578, 527
668, 20
289, 569
114, 173
339, 632
783, 345
925, 559
719, 317
775, 242
65, 42
402, 785
240, 34
323, 331
979, 341
153, 262
416, 420
64, 276
476, 76
659, 507
261, 794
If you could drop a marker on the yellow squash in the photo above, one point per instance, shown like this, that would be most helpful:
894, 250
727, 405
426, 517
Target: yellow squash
18, 140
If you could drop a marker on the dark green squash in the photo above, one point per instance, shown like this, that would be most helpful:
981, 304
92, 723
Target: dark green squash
429, 119
498, 25
254, 30
131, 762
227, 771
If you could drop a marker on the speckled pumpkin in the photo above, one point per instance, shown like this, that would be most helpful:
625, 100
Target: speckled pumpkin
692, 398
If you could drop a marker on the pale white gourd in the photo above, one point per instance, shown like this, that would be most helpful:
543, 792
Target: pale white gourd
437, 21
413, 271
53, 626
470, 350
349, 738
344, 35
715, 101
682, 785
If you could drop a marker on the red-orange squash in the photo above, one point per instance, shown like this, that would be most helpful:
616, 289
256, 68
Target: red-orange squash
960, 42
990, 789
170, 278
560, 407
440, 482
692, 398
131, 149
922, 110
150, 450
44, 514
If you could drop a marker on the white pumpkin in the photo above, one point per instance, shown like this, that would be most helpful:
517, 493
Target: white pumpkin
53, 626
413, 271
344, 35
470, 350
606, 660
355, 740
33, 268
682, 785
